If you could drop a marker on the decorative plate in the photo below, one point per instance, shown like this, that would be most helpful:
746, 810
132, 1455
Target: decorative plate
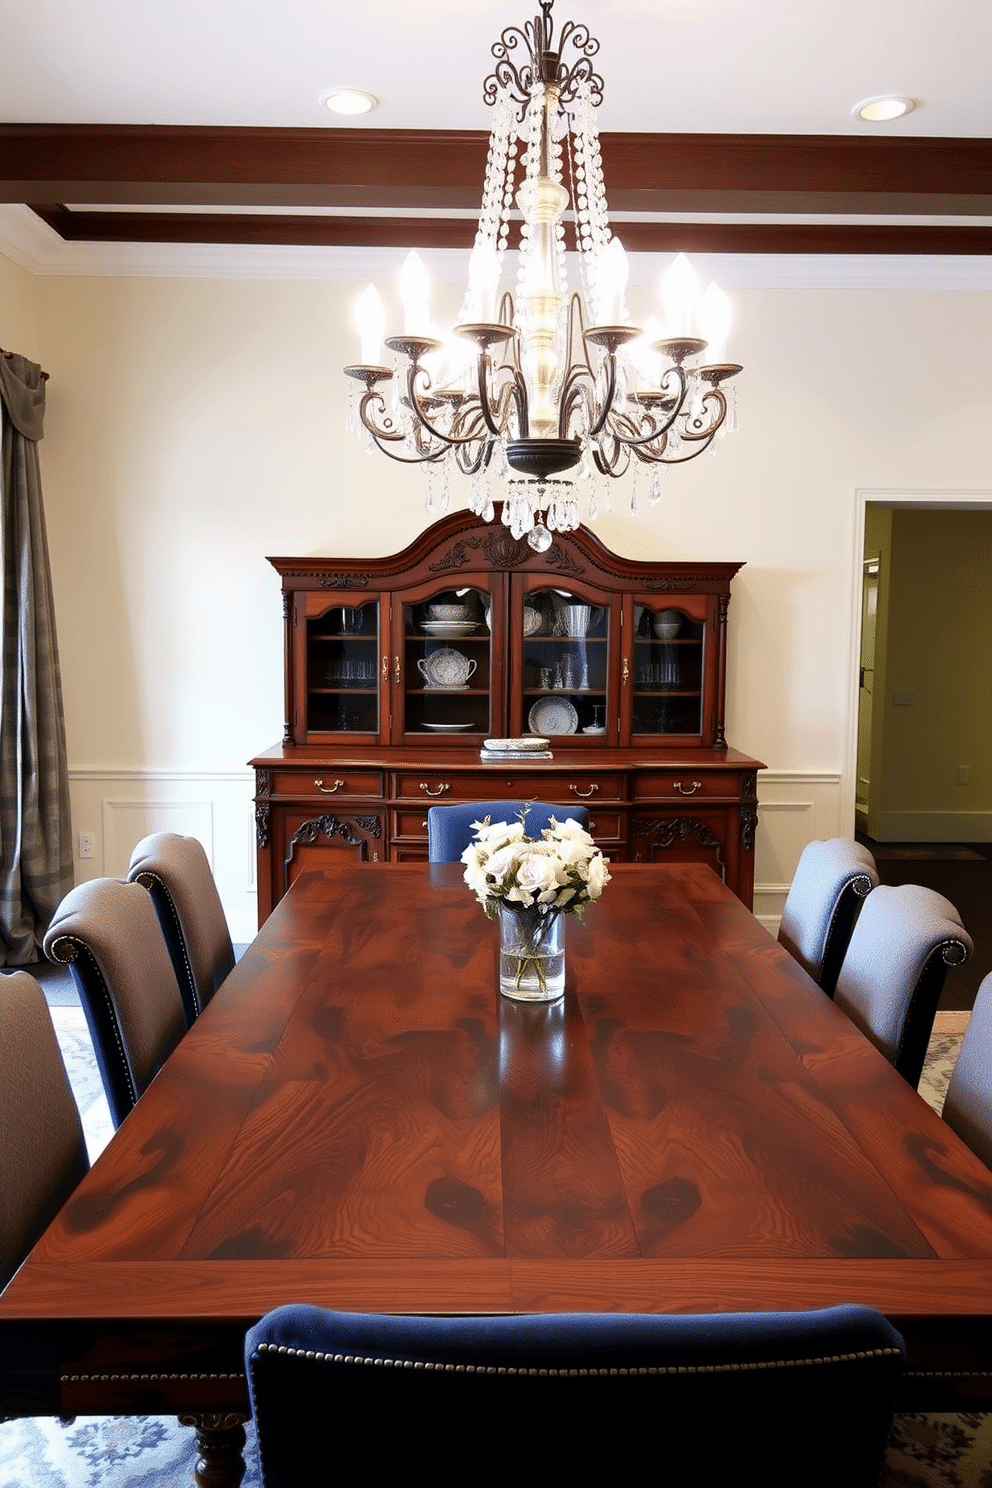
449, 627
592, 728
532, 620
553, 715
447, 668
528, 742
448, 728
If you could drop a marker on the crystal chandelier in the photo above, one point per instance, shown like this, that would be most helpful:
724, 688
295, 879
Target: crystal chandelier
545, 392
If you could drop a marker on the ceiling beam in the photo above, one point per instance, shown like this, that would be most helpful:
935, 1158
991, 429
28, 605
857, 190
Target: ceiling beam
447, 232
433, 169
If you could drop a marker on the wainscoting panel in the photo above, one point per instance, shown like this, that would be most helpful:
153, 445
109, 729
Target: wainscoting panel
794, 807
120, 806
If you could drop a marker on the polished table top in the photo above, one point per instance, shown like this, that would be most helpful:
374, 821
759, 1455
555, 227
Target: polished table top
359, 1120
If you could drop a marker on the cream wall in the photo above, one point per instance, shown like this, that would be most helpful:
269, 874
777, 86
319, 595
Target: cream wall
195, 426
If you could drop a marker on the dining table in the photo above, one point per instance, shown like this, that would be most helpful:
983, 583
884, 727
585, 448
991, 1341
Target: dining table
358, 1119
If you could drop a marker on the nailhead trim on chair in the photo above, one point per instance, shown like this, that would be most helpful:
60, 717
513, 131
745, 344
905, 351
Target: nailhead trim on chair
273, 1348
67, 949
146, 878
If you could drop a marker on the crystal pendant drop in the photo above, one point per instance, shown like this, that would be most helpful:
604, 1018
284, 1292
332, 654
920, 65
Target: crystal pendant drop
539, 538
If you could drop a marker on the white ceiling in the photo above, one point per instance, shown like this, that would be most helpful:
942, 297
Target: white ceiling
736, 66
670, 66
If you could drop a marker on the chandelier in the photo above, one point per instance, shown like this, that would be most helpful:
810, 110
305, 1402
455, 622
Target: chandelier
545, 393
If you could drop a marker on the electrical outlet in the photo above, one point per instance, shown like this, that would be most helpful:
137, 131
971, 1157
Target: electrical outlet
87, 845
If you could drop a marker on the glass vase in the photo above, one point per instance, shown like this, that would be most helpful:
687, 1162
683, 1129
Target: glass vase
531, 955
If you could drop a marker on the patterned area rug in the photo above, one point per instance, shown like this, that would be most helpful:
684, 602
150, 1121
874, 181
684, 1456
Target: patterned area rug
925, 1451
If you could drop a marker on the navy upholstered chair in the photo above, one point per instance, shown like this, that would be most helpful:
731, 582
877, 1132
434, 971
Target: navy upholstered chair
177, 874
108, 934
968, 1103
892, 976
42, 1151
831, 880
449, 828
573, 1399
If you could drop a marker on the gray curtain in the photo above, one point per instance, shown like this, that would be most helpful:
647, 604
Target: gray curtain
35, 831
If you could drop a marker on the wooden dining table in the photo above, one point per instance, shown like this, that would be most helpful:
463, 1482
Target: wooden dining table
359, 1120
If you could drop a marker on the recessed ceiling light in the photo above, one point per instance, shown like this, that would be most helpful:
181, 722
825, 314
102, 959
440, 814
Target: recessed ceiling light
349, 101
879, 110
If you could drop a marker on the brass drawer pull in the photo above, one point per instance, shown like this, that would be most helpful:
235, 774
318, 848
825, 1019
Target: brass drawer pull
584, 793
329, 789
428, 792
696, 785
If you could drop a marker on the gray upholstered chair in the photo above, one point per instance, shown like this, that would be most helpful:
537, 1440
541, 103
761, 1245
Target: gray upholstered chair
582, 1399
890, 983
42, 1151
107, 933
968, 1103
176, 873
831, 880
449, 828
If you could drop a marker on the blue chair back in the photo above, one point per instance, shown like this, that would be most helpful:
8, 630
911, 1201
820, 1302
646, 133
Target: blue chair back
574, 1399
830, 882
449, 828
968, 1103
893, 974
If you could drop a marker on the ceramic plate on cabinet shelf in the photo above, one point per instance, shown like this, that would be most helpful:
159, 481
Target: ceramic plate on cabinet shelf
447, 728
553, 715
449, 627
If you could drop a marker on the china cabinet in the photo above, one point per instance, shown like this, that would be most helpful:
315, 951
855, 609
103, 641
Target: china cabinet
398, 670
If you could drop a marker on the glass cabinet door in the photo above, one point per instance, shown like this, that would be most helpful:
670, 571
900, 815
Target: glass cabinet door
445, 680
667, 671
342, 668
563, 674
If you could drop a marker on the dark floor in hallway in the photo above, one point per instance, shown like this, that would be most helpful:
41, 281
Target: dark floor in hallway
962, 872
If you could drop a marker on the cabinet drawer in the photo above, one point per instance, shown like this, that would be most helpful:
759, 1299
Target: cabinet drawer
606, 826
687, 784
410, 825
498, 784
321, 782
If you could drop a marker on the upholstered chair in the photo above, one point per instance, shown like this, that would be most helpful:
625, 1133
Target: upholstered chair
176, 873
830, 882
579, 1399
42, 1151
449, 828
107, 933
968, 1103
892, 976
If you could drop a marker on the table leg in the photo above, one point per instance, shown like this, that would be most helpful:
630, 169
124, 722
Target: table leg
220, 1440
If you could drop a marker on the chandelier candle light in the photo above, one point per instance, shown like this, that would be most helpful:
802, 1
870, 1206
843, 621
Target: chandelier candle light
529, 884
546, 391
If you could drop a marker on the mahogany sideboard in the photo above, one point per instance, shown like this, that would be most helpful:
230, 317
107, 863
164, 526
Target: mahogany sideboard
397, 671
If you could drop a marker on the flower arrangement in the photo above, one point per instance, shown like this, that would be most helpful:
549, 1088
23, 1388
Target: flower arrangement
537, 879
561, 871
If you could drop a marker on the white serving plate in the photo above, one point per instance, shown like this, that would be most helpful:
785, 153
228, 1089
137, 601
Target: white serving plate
447, 728
553, 715
527, 743
449, 627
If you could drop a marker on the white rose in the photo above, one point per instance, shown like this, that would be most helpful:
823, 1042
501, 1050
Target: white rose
503, 860
537, 873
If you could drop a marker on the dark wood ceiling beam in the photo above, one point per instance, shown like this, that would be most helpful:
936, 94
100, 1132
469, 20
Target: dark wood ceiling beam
439, 232
361, 168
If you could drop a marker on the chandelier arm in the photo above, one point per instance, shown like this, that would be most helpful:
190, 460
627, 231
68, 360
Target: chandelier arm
388, 430
423, 459
413, 397
658, 430
578, 387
